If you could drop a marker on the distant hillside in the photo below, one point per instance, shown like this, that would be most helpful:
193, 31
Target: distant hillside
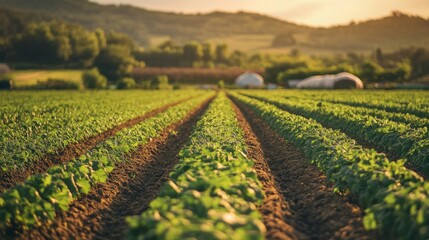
141, 23
389, 32
261, 33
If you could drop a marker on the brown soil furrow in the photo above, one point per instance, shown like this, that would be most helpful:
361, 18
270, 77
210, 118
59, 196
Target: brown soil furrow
128, 191
11, 178
363, 142
316, 211
277, 215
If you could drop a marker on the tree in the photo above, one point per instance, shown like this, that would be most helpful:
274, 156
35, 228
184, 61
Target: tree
85, 46
419, 63
93, 79
379, 58
221, 84
221, 53
237, 58
115, 38
39, 44
126, 83
208, 53
192, 52
101, 38
115, 61
370, 71
160, 82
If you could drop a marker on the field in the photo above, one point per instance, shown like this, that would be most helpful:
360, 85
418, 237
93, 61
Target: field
31, 77
242, 164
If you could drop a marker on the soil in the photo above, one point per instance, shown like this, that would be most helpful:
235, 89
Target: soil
300, 202
129, 189
361, 141
10, 179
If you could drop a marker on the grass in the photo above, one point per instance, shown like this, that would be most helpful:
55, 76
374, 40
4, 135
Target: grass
247, 42
31, 77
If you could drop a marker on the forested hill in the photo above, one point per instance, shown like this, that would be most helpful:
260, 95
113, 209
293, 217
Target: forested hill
397, 30
140, 23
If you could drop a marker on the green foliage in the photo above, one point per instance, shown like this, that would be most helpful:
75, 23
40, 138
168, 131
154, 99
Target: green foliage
381, 129
221, 84
86, 45
369, 71
36, 201
221, 53
272, 73
160, 82
46, 43
120, 39
192, 52
213, 191
395, 198
390, 32
115, 61
59, 84
126, 83
31, 120
93, 79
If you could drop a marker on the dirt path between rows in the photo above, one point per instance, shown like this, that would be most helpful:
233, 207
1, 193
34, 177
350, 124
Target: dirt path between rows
128, 191
12, 178
359, 140
307, 208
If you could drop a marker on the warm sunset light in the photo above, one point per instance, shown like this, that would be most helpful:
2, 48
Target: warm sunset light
310, 12
214, 119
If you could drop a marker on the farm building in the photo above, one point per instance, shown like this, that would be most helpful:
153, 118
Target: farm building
339, 81
250, 80
4, 69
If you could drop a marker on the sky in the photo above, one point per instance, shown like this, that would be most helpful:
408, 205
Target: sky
309, 12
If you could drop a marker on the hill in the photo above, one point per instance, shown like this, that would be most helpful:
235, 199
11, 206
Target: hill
242, 30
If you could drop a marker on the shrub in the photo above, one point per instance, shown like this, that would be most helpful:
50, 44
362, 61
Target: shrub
59, 84
177, 86
126, 83
6, 82
160, 82
221, 84
93, 79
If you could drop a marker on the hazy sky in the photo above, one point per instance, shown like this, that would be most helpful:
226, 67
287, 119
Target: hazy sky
311, 12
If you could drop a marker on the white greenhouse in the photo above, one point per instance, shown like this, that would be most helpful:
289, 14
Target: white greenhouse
339, 81
250, 80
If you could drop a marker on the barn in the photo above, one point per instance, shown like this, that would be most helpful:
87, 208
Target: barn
339, 81
250, 80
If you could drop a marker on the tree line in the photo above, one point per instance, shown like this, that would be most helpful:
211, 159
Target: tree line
197, 54
31, 45
34, 44
405, 64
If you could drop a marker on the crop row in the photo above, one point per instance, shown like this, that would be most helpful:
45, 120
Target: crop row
407, 102
330, 98
399, 139
49, 124
37, 200
396, 199
213, 191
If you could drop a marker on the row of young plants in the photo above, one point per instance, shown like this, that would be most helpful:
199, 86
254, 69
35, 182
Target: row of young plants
37, 200
51, 122
396, 200
419, 110
213, 191
344, 100
397, 138
407, 102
